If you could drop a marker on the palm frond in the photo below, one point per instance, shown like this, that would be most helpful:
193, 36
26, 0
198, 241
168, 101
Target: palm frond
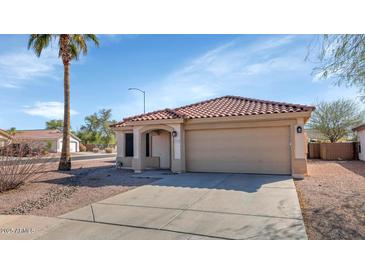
92, 37
38, 42
75, 52
78, 43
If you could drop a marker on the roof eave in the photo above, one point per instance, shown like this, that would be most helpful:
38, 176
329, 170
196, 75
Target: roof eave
359, 128
277, 116
154, 122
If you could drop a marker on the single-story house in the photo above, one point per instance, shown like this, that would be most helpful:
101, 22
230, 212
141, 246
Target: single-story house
48, 137
225, 134
360, 130
4, 137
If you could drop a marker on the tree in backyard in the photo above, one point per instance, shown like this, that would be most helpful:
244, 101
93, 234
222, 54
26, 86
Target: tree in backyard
106, 134
11, 130
96, 129
70, 47
54, 124
336, 119
342, 58
88, 133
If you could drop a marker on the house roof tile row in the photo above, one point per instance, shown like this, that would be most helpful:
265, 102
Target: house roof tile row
5, 134
358, 128
45, 134
226, 106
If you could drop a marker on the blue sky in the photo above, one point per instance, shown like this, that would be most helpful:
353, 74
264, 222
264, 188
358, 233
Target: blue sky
174, 70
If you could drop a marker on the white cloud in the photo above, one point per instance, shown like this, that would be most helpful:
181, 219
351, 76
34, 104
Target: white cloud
229, 68
18, 67
9, 85
274, 64
51, 110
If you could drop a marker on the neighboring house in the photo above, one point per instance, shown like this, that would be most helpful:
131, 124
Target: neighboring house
226, 134
48, 137
4, 137
360, 130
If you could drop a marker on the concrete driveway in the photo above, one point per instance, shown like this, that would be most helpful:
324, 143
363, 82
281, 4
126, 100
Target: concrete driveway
184, 206
193, 206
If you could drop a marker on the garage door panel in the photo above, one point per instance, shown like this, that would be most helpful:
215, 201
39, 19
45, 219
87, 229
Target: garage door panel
73, 146
249, 150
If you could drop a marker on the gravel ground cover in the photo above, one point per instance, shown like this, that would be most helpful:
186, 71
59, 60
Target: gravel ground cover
332, 199
57, 192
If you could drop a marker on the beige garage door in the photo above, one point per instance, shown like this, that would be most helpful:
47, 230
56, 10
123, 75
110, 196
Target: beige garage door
247, 150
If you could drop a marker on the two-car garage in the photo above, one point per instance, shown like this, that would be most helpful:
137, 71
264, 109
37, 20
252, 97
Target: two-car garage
241, 150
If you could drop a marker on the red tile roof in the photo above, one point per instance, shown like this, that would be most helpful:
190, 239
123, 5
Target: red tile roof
5, 134
36, 134
226, 106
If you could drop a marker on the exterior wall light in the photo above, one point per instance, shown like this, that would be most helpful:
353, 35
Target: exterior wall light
174, 134
299, 129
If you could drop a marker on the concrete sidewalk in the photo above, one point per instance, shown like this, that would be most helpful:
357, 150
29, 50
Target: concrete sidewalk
25, 227
184, 206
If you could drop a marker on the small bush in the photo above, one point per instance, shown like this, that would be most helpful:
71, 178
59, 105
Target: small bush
95, 150
82, 148
108, 150
21, 163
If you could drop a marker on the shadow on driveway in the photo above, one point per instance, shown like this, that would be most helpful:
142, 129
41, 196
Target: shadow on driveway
111, 176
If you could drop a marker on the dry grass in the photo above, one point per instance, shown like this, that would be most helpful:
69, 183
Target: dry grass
332, 199
59, 192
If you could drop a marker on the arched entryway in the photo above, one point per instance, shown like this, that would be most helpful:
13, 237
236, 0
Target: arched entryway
156, 147
152, 146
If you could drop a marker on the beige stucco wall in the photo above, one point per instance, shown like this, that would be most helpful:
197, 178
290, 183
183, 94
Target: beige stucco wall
124, 161
299, 155
299, 168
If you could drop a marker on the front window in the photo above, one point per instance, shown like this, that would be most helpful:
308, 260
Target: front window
147, 145
129, 145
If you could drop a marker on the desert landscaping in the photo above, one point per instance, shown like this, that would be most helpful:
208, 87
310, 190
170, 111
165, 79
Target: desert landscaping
56, 192
332, 199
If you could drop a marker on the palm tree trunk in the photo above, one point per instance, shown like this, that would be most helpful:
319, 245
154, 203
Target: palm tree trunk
65, 161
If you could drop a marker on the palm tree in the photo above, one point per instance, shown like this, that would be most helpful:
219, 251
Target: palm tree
70, 47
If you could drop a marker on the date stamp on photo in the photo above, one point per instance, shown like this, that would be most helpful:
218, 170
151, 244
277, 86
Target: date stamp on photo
16, 230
